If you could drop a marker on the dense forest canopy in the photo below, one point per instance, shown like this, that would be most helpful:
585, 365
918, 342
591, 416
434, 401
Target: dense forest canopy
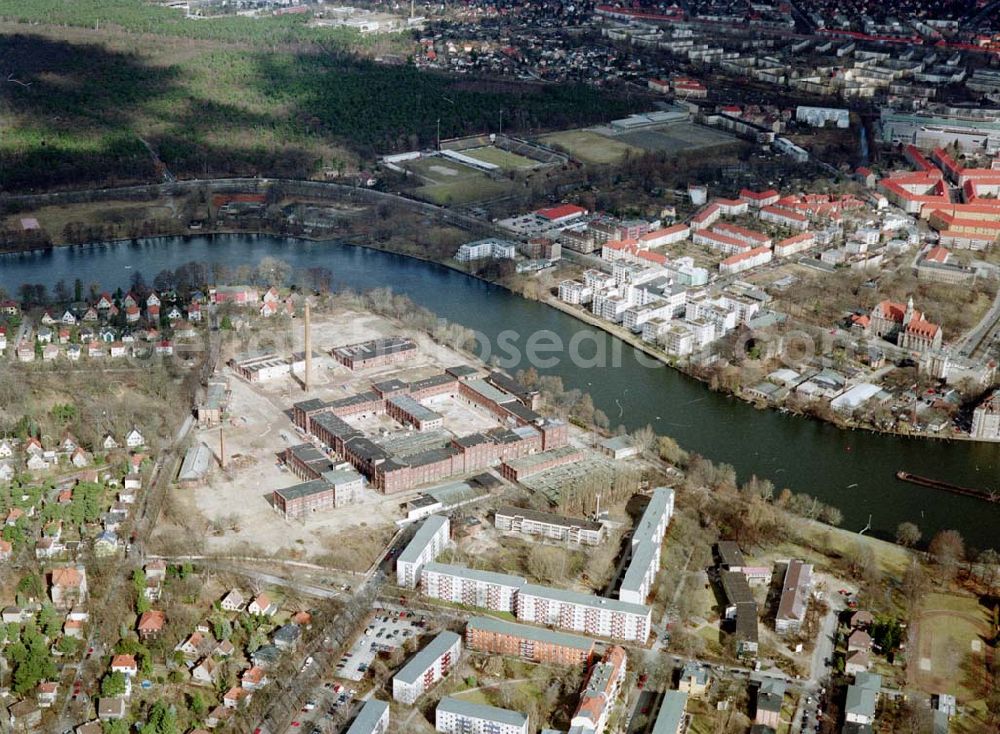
245, 101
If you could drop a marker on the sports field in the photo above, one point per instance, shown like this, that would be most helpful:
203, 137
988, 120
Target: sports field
678, 138
499, 157
946, 630
436, 169
589, 147
593, 146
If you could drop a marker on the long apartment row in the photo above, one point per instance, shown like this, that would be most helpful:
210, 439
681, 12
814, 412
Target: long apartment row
626, 618
433, 663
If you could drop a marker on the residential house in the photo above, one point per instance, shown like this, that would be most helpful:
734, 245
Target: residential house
25, 715
79, 458
111, 708
233, 601
124, 664
694, 680
46, 694
193, 646
134, 439
109, 443
262, 606
68, 586
770, 696
235, 697
254, 678
151, 624
206, 672
287, 636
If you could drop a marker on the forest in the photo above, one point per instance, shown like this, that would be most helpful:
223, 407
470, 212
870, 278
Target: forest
252, 96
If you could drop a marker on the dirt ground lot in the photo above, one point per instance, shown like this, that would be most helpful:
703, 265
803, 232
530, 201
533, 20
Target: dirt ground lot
236, 504
947, 629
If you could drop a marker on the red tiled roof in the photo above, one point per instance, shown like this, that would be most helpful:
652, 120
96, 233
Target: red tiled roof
560, 212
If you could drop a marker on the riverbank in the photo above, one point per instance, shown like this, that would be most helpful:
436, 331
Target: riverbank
360, 232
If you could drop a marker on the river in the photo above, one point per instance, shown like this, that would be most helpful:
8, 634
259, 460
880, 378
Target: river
853, 470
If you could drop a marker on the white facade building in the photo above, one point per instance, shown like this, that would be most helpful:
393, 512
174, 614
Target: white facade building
472, 588
430, 539
593, 615
427, 667
455, 716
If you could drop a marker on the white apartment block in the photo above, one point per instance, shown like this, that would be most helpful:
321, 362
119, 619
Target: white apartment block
732, 207
641, 572
746, 260
430, 539
373, 718
655, 519
482, 249
647, 538
784, 217
713, 311
597, 279
574, 292
666, 236
794, 245
718, 242
592, 615
427, 667
636, 317
569, 530
455, 716
986, 419
460, 585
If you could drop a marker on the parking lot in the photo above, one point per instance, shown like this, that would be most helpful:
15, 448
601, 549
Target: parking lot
386, 631
317, 716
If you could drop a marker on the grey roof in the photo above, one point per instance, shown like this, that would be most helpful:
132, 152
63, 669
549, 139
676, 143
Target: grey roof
419, 663
487, 577
480, 711
662, 498
305, 489
795, 591
369, 716
341, 476
736, 588
643, 556
196, 462
730, 553
616, 443
549, 518
770, 694
422, 537
590, 600
528, 632
671, 712
862, 695
489, 392
413, 408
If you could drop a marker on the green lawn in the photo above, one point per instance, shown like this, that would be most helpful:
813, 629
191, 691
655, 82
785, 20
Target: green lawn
590, 147
499, 157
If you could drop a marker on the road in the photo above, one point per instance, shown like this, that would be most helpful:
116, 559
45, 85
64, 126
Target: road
980, 336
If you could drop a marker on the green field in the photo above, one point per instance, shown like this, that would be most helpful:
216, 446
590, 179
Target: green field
589, 147
499, 157
947, 628
449, 182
